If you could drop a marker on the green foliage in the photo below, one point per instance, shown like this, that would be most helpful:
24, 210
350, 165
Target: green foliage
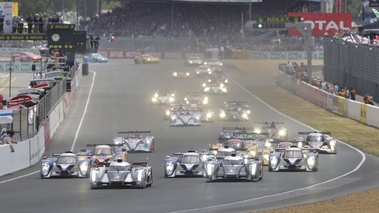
355, 7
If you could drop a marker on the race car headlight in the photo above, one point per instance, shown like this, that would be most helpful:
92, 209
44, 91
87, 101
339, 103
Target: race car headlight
205, 100
220, 64
148, 59
282, 132
214, 152
222, 85
258, 131
210, 168
268, 144
198, 72
209, 80
274, 161
205, 63
45, 168
248, 112
190, 62
156, 95
222, 114
154, 99
173, 118
197, 118
83, 168
253, 153
253, 168
332, 143
175, 73
209, 72
244, 115
204, 84
171, 99
206, 89
209, 115
226, 81
265, 157
94, 175
300, 144
224, 89
139, 175
311, 162
187, 74
169, 168
167, 112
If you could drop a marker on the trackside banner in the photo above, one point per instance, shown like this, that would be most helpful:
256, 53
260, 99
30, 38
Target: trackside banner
323, 23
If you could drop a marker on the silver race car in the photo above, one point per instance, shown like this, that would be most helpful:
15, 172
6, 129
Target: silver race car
67, 164
122, 174
198, 98
186, 117
186, 164
180, 75
272, 130
135, 141
235, 110
215, 88
235, 167
293, 159
163, 96
322, 142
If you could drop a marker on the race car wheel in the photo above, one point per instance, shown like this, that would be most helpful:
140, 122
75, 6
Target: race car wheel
315, 169
209, 179
150, 180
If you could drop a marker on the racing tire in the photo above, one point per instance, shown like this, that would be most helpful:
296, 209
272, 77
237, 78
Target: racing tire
150, 179
209, 179
315, 170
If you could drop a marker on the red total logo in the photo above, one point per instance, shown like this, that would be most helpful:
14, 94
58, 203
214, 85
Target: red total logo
323, 23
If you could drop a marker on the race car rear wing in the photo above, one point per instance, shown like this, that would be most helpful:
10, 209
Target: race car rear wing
306, 133
181, 153
266, 122
237, 128
133, 132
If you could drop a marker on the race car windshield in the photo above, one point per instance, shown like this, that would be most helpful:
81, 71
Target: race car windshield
232, 162
103, 151
234, 145
66, 160
314, 138
190, 159
293, 154
118, 168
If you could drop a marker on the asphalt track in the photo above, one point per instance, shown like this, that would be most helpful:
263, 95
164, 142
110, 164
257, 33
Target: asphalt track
116, 97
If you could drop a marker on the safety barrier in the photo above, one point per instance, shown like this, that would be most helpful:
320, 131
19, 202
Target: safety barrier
358, 111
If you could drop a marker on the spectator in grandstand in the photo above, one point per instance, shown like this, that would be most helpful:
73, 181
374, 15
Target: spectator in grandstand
1, 24
336, 88
347, 93
20, 24
14, 24
352, 93
367, 99
40, 23
36, 23
29, 20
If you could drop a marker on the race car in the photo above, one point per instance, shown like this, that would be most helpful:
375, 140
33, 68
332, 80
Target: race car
215, 78
221, 151
293, 159
163, 96
67, 164
215, 88
186, 164
272, 130
135, 141
122, 174
104, 154
234, 168
146, 59
180, 75
186, 118
203, 70
95, 58
173, 109
322, 142
193, 61
213, 62
235, 110
198, 98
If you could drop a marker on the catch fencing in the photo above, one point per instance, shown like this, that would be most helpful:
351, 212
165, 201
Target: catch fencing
352, 65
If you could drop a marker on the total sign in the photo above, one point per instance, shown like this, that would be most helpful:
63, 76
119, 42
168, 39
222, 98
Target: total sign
323, 23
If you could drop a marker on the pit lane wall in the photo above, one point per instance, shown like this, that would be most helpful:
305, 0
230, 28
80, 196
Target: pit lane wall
29, 152
358, 111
